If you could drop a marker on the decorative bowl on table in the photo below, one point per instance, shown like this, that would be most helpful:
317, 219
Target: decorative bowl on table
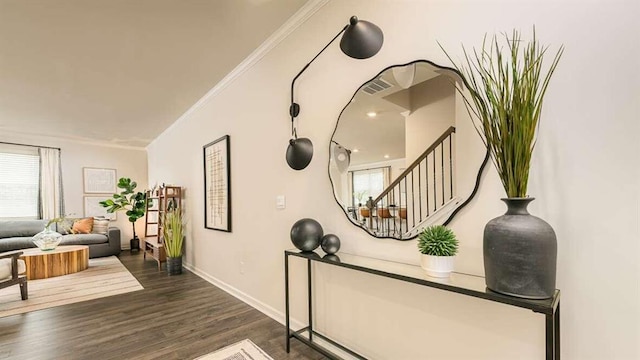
47, 240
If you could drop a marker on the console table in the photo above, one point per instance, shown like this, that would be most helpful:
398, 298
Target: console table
463, 284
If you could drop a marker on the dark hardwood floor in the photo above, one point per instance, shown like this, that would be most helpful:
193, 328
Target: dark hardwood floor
178, 317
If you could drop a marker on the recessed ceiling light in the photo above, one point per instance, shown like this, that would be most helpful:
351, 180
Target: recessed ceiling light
386, 156
355, 150
372, 114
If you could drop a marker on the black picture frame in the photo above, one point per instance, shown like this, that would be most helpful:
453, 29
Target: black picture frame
217, 184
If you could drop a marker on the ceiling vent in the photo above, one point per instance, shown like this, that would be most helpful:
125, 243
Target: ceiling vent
375, 86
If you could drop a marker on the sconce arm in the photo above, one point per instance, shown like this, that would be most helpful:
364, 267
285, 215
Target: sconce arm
294, 108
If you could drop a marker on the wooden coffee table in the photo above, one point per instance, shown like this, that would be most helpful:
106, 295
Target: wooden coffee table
63, 260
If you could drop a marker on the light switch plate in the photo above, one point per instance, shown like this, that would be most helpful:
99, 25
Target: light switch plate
280, 202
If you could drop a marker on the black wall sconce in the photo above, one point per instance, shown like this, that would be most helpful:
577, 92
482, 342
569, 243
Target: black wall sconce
341, 156
361, 40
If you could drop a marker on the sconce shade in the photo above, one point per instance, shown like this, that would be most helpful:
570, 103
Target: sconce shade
342, 157
299, 153
404, 75
361, 39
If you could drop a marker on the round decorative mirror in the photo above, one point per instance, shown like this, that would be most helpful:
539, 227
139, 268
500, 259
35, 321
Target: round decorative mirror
396, 165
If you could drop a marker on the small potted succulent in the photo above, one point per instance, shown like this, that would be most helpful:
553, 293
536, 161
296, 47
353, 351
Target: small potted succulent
438, 245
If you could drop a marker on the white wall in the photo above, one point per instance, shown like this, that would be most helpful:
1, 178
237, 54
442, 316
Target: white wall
432, 113
584, 174
433, 105
128, 162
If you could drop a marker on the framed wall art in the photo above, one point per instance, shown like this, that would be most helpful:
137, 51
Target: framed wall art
99, 181
93, 208
217, 185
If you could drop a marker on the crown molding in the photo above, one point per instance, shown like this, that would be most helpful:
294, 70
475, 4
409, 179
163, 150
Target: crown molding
299, 18
55, 139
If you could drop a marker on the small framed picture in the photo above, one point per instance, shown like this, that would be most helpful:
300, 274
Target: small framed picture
99, 181
93, 208
217, 185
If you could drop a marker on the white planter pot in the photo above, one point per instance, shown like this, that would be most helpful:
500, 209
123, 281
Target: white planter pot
437, 266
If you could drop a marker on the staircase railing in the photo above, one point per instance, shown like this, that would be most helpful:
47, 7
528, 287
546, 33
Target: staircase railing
417, 193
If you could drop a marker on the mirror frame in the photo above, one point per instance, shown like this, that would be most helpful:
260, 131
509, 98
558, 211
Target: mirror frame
458, 208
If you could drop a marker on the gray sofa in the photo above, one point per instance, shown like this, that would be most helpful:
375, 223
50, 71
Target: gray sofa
18, 234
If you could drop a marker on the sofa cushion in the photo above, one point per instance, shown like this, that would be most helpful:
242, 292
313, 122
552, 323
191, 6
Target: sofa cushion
84, 239
5, 268
20, 228
82, 226
16, 243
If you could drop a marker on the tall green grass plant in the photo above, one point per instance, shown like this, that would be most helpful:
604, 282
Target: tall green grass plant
507, 84
173, 233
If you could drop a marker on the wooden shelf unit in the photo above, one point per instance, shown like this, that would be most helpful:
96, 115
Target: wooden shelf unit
155, 250
162, 200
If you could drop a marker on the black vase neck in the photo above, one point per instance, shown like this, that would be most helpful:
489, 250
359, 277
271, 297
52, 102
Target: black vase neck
517, 206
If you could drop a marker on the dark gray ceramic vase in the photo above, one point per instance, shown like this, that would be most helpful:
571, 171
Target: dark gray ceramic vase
520, 253
174, 265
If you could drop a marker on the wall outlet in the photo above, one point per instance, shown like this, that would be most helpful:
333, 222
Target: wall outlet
241, 267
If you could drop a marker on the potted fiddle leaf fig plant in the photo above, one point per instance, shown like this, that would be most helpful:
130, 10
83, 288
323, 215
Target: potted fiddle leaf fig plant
133, 203
506, 85
438, 246
173, 239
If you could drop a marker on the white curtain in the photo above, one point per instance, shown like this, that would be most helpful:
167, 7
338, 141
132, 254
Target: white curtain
386, 176
51, 201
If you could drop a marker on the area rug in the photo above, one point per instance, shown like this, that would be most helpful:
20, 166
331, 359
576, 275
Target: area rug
243, 350
104, 277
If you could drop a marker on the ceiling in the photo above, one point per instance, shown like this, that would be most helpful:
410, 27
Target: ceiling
380, 138
121, 71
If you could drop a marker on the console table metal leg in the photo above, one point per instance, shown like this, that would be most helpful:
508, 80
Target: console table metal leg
552, 338
310, 300
548, 327
286, 297
556, 330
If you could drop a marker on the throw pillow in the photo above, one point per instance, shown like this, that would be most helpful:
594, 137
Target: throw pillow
100, 226
82, 226
64, 226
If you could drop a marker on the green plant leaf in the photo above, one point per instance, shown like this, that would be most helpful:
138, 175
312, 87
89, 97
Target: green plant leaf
134, 204
505, 92
437, 240
173, 233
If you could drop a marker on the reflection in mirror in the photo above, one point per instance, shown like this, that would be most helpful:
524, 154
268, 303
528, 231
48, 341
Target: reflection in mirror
393, 163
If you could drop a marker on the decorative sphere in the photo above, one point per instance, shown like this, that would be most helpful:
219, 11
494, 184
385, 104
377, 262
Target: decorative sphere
330, 243
306, 234
331, 257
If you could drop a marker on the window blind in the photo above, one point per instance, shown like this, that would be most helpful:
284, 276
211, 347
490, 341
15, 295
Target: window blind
368, 183
19, 183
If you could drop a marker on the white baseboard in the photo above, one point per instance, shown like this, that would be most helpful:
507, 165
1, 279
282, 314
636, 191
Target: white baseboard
245, 298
